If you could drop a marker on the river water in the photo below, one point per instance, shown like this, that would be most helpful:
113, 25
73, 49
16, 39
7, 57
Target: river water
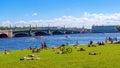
53, 40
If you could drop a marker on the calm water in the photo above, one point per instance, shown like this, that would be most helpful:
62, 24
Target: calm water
54, 40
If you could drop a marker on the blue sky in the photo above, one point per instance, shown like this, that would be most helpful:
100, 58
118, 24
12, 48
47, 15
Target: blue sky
14, 11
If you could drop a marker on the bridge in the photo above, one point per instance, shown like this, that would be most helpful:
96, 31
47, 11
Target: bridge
36, 32
42, 32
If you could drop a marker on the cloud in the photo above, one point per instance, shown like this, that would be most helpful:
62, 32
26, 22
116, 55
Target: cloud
86, 20
34, 14
6, 23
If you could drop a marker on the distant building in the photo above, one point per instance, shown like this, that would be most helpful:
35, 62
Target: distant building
104, 29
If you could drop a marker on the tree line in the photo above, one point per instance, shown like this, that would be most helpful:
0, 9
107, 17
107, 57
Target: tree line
18, 28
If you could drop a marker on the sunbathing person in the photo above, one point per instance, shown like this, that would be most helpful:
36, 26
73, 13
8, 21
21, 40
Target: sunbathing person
29, 58
60, 52
31, 55
94, 53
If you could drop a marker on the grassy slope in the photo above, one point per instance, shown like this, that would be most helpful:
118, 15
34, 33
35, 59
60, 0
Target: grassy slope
109, 58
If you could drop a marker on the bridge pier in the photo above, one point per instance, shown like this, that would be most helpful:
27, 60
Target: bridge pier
64, 32
49, 32
8, 33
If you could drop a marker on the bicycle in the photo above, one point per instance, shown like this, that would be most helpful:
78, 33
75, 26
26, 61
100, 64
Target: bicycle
65, 50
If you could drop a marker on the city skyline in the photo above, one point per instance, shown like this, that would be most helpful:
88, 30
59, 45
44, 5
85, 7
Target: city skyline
71, 13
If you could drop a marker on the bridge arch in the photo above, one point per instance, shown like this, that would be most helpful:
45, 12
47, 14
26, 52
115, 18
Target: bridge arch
69, 32
40, 33
76, 32
57, 32
3, 36
21, 35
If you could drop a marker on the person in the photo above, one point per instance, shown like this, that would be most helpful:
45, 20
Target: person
45, 45
31, 55
29, 58
111, 40
35, 50
91, 42
62, 45
76, 43
81, 49
102, 43
67, 44
6, 51
106, 40
88, 45
115, 39
42, 45
30, 48
60, 52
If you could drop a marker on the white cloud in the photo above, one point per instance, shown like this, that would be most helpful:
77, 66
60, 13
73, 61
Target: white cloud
34, 14
6, 23
69, 21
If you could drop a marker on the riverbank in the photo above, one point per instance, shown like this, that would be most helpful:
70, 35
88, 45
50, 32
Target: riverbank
107, 56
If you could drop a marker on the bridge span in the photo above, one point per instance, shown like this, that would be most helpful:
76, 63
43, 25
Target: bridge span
35, 32
42, 32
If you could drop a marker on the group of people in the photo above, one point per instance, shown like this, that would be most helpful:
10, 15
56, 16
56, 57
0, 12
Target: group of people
101, 43
94, 44
43, 45
76, 44
107, 40
111, 40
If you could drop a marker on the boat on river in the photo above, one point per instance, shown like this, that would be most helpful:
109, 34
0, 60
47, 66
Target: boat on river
67, 36
37, 37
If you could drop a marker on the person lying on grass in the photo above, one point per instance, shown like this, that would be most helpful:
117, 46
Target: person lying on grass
29, 58
31, 55
94, 53
60, 52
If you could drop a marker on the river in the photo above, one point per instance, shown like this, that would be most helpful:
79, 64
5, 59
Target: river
53, 40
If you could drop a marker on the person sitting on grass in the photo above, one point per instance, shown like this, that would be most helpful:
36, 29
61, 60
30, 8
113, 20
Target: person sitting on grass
93, 45
30, 48
35, 50
76, 43
81, 49
6, 51
91, 42
55, 48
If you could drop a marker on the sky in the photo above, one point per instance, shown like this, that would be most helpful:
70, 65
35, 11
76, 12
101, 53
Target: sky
69, 13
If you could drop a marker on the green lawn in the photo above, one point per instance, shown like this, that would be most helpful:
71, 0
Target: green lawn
109, 57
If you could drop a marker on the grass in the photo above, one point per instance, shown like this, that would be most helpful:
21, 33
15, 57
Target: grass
109, 58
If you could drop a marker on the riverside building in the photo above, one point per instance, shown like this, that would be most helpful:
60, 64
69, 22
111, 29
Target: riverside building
105, 29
